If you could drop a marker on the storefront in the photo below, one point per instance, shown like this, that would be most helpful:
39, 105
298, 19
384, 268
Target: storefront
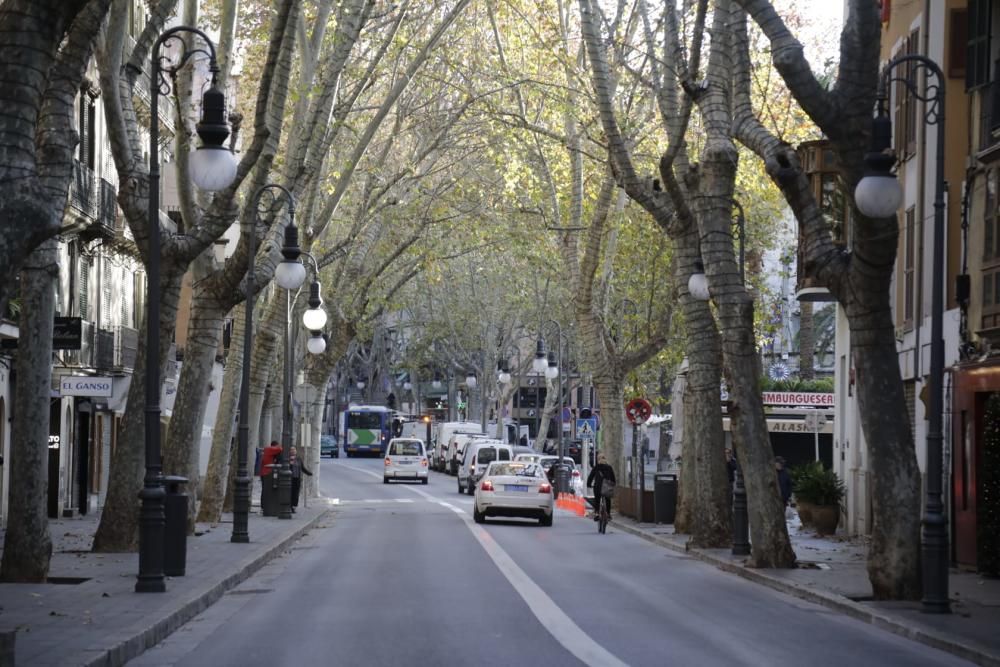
975, 457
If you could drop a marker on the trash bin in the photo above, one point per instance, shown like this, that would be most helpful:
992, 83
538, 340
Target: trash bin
269, 492
175, 508
665, 498
561, 477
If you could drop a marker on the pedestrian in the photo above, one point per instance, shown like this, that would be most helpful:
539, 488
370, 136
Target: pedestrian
600, 472
298, 467
730, 465
784, 480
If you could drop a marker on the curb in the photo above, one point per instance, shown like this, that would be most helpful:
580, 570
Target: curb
133, 647
829, 600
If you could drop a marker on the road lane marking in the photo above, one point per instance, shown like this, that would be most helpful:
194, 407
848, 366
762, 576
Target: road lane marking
551, 616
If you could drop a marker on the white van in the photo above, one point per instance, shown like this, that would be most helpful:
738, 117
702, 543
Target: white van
442, 436
478, 455
405, 458
456, 449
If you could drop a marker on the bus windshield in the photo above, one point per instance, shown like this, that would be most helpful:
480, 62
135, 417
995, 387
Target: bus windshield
370, 420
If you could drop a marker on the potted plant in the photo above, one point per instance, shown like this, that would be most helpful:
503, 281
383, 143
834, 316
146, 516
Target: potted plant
822, 492
801, 479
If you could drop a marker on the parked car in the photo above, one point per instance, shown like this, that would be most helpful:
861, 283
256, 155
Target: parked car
514, 488
443, 434
328, 445
529, 458
548, 462
478, 455
405, 458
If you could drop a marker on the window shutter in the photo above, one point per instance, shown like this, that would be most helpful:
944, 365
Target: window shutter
977, 65
84, 287
106, 296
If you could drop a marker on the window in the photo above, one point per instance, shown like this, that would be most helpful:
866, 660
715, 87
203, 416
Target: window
991, 299
406, 448
977, 53
909, 263
84, 285
991, 217
958, 41
905, 123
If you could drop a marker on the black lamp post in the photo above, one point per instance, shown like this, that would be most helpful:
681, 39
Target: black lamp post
698, 288
290, 274
212, 167
553, 370
241, 492
879, 195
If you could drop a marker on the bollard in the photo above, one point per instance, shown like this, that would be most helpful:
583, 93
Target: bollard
175, 507
741, 522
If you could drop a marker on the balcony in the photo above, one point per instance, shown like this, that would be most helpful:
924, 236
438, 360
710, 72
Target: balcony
82, 187
84, 357
104, 350
126, 347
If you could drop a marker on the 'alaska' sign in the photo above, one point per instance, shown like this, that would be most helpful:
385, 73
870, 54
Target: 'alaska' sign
86, 385
798, 399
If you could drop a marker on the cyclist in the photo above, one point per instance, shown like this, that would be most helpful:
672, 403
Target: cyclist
600, 472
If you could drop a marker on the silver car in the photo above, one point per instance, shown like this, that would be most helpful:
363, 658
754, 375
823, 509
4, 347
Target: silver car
514, 488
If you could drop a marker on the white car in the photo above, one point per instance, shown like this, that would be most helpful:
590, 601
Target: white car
405, 458
514, 488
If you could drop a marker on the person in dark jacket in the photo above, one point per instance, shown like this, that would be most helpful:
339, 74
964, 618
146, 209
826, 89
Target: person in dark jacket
730, 465
784, 480
600, 472
295, 463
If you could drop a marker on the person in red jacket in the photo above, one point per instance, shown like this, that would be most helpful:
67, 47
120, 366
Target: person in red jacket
269, 457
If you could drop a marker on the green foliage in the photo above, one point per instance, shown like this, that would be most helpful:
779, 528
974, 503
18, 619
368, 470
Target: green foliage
815, 484
988, 539
819, 385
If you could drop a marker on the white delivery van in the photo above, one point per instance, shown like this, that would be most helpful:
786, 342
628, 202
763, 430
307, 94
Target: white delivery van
456, 449
442, 436
478, 455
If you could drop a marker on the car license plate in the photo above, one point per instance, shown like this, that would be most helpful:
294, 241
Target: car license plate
515, 487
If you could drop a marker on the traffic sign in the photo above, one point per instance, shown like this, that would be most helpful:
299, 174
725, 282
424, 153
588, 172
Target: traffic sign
586, 429
638, 410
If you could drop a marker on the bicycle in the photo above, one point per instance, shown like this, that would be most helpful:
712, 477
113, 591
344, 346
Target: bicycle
604, 510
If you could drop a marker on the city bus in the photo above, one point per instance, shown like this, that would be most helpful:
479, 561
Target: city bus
367, 429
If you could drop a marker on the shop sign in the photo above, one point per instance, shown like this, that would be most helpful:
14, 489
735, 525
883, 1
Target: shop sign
798, 399
86, 385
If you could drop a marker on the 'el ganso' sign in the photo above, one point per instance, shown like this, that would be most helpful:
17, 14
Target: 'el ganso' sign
86, 385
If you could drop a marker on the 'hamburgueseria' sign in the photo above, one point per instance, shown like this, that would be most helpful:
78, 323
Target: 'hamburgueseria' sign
798, 399
86, 385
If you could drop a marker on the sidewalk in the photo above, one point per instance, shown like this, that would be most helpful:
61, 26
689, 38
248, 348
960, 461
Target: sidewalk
89, 613
832, 573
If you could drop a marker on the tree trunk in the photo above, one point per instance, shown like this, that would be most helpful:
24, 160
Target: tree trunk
118, 529
807, 341
27, 543
213, 492
707, 514
610, 392
893, 568
182, 444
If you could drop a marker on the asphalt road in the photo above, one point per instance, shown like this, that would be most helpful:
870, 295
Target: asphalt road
400, 575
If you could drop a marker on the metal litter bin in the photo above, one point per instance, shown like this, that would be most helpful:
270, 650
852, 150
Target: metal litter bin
665, 498
269, 492
561, 477
175, 508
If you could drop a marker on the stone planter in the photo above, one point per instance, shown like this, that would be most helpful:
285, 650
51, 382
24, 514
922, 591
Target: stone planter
805, 512
825, 518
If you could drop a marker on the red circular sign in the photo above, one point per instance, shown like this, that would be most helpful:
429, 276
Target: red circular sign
638, 410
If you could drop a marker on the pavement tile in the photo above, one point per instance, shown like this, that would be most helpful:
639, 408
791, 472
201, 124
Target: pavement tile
102, 621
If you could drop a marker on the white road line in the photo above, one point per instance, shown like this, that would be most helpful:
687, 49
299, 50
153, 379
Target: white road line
552, 618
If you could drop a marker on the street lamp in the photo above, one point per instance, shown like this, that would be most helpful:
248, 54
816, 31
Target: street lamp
290, 274
213, 131
361, 384
241, 489
539, 363
879, 195
436, 383
316, 343
698, 283
553, 370
470, 380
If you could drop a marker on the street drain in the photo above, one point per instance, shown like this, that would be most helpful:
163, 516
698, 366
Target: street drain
67, 580
250, 591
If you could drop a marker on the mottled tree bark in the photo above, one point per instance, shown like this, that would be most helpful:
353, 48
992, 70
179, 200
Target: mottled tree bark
27, 544
807, 341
